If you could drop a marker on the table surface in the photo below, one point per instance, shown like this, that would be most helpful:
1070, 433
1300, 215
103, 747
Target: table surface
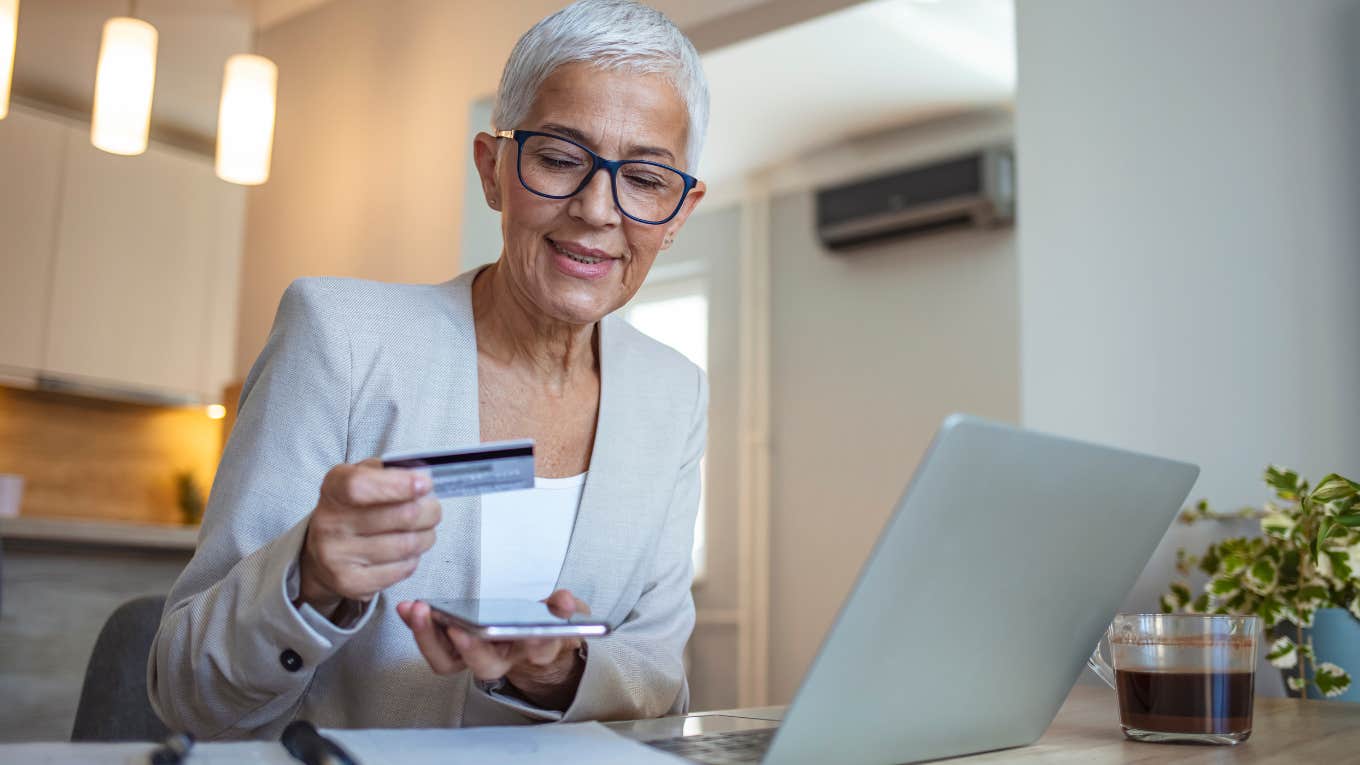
1086, 731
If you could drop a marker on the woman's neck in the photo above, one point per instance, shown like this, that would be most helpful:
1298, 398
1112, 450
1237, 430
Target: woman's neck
514, 333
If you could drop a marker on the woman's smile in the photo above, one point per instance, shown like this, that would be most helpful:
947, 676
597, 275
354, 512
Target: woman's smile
579, 261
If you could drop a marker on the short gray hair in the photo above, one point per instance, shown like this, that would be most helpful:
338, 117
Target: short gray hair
613, 34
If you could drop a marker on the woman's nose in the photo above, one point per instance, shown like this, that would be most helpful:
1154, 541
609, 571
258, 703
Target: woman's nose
595, 203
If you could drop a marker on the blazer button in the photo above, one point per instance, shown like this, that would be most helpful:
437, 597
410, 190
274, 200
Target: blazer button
290, 660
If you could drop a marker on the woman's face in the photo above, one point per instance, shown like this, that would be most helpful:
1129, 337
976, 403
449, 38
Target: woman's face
618, 116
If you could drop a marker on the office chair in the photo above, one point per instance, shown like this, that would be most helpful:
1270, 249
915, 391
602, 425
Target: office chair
113, 701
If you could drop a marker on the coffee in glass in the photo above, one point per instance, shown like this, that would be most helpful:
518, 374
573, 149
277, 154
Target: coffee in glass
1182, 677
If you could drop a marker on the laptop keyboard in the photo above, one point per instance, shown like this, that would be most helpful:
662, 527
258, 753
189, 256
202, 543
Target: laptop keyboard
743, 746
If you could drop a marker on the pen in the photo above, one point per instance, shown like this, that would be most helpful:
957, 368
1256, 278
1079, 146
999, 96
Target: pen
305, 743
174, 750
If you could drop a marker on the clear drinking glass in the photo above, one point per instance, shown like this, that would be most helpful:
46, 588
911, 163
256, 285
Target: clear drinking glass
1182, 677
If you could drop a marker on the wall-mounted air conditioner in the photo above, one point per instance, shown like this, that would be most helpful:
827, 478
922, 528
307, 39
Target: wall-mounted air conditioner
976, 190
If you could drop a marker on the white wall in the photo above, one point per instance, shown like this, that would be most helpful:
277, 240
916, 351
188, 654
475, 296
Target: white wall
1190, 235
869, 351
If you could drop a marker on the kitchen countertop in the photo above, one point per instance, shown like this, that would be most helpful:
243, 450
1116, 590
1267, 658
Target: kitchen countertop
125, 534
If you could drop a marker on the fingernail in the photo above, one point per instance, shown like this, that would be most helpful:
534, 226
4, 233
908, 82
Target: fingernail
421, 482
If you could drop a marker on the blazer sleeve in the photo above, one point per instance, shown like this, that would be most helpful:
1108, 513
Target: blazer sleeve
233, 656
638, 670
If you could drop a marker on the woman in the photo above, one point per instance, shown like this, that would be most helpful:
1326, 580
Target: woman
299, 605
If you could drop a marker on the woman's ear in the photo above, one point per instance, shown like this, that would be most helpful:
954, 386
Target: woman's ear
485, 153
691, 201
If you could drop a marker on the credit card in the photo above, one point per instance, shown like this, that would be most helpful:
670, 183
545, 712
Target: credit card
481, 469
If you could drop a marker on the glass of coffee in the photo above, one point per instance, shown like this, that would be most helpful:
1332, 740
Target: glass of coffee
1182, 677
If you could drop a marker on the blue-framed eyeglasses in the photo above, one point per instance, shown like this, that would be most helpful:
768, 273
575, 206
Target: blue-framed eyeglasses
555, 167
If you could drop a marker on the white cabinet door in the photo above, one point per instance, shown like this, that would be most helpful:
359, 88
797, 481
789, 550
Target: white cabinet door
30, 173
220, 238
131, 281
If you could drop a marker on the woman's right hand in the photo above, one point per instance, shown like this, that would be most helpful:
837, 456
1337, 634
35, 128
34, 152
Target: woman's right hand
368, 531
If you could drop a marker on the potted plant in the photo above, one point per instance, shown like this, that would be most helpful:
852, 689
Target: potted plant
189, 497
1301, 576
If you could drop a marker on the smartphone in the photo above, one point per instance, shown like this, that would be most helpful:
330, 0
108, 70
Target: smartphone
508, 619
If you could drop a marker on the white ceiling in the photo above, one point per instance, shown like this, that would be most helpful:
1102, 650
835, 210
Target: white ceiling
872, 65
879, 64
59, 47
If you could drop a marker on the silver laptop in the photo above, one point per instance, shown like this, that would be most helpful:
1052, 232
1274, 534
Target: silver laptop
1004, 561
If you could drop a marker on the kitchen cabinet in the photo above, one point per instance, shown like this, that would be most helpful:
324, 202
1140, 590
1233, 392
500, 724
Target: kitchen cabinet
30, 171
144, 263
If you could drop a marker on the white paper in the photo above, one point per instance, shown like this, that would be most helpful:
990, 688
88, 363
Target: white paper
555, 744
241, 753
590, 743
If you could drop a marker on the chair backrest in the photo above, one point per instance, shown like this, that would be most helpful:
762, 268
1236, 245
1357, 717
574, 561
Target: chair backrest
113, 700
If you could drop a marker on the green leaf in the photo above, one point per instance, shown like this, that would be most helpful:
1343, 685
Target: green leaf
1181, 594
1233, 564
1355, 607
1262, 576
1211, 561
1166, 605
1271, 610
1283, 653
1349, 521
1277, 525
1334, 487
1324, 528
1284, 481
1223, 586
1313, 595
1295, 683
1340, 563
1331, 680
1201, 604
1303, 616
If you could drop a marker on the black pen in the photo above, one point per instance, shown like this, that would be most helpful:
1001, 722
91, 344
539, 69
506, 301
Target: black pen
174, 750
305, 743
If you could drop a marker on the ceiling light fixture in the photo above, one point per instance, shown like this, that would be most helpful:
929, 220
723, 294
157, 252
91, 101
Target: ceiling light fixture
9, 38
245, 118
124, 84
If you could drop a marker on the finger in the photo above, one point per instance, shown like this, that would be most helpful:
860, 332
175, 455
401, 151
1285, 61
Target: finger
541, 653
416, 515
439, 653
369, 483
563, 604
488, 661
364, 582
398, 546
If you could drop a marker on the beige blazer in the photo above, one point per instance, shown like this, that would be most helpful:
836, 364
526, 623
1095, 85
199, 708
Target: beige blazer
355, 369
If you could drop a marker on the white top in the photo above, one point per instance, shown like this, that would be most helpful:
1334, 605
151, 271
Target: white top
525, 535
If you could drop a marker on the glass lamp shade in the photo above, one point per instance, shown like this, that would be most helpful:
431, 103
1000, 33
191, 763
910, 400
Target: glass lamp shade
9, 37
245, 121
123, 86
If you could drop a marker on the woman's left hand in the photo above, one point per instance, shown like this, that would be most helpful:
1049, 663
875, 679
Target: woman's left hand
545, 671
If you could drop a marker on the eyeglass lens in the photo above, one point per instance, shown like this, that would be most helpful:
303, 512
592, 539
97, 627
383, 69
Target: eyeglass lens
554, 167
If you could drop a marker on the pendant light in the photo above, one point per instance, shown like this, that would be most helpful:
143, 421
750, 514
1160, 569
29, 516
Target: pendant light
9, 38
245, 118
123, 85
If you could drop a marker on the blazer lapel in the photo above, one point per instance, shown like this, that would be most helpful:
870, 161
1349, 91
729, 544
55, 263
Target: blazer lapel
604, 531
460, 423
